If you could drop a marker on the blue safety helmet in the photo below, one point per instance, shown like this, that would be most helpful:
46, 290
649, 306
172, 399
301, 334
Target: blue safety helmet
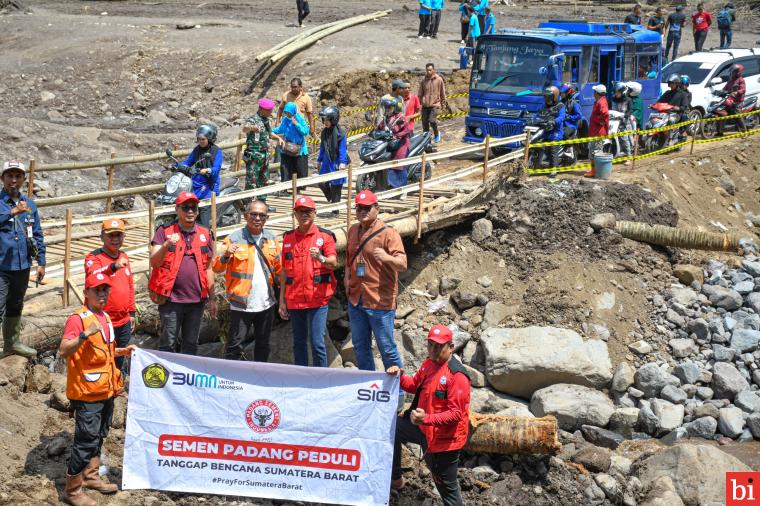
685, 80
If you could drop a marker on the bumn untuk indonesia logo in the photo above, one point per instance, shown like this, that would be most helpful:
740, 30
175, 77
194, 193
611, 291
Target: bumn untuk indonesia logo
262, 416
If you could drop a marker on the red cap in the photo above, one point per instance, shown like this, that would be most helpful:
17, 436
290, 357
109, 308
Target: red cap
366, 198
186, 197
97, 279
440, 334
304, 202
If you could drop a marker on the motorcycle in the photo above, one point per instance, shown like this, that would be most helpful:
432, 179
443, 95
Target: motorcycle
721, 101
379, 148
539, 158
227, 214
616, 122
662, 116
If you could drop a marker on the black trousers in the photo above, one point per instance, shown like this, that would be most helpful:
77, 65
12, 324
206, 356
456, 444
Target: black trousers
465, 30
91, 423
302, 10
482, 23
122, 335
430, 119
12, 291
443, 465
298, 165
246, 327
424, 29
204, 217
332, 192
180, 327
435, 21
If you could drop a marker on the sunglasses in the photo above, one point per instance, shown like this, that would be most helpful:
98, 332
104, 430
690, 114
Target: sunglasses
303, 210
261, 216
187, 208
365, 209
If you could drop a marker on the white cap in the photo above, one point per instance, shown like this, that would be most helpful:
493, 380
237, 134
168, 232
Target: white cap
13, 165
600, 88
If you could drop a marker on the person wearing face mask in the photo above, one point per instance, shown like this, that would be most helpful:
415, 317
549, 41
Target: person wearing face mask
293, 132
439, 417
374, 257
209, 158
92, 381
398, 124
333, 153
21, 243
110, 260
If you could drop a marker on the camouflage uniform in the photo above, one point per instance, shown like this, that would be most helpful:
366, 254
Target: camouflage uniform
256, 154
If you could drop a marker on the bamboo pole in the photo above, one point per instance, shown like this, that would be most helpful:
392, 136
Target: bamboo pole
310, 31
694, 137
526, 149
349, 187
213, 215
67, 258
111, 170
421, 199
151, 226
32, 167
77, 292
294, 181
635, 151
486, 156
238, 153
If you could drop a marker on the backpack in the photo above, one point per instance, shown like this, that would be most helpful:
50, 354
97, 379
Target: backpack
724, 19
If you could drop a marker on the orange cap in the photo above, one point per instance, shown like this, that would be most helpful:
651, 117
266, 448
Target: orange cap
112, 225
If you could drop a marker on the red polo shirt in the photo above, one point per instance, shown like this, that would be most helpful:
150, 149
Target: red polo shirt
121, 298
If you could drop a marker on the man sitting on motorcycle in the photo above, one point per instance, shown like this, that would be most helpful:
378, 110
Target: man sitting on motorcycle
675, 96
573, 115
209, 160
552, 120
621, 102
394, 121
736, 89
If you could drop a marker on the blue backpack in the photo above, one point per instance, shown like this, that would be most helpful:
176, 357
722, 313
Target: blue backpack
724, 19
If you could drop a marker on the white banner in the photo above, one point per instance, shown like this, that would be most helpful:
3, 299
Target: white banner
262, 430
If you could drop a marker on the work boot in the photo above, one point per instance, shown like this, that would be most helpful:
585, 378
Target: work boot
590, 173
12, 338
93, 481
73, 493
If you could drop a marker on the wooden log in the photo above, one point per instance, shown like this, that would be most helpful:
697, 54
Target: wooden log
294, 38
507, 435
111, 170
67, 259
30, 188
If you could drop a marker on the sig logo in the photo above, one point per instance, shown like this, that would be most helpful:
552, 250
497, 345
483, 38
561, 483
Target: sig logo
742, 489
155, 376
196, 380
262, 416
373, 394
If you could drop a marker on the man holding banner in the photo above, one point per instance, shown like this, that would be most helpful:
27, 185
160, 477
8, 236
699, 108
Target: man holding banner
439, 417
92, 382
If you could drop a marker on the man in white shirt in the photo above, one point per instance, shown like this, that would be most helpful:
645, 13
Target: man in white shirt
251, 262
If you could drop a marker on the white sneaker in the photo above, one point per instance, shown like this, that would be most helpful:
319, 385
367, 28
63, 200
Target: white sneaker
419, 36
462, 42
427, 36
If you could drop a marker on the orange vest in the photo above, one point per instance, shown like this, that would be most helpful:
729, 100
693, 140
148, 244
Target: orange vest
162, 279
308, 284
92, 373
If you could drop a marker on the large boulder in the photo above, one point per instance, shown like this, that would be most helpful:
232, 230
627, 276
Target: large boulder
15, 368
698, 472
573, 406
485, 400
727, 381
745, 340
522, 360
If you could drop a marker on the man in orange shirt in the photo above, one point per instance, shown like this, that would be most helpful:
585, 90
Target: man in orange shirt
111, 261
375, 256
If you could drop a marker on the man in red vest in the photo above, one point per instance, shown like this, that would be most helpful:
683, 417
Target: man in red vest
439, 417
182, 280
92, 382
307, 282
110, 260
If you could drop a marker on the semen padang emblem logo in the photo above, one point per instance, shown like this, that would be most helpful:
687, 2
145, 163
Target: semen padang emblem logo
155, 376
263, 416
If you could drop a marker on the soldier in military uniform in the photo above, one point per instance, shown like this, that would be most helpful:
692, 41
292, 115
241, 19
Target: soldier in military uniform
256, 155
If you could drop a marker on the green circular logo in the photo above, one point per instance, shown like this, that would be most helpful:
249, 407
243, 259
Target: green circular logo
155, 376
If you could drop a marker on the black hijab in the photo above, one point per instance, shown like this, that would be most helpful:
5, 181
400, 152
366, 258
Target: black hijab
331, 138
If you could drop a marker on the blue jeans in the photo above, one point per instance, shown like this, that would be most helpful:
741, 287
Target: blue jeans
309, 323
364, 323
726, 35
674, 39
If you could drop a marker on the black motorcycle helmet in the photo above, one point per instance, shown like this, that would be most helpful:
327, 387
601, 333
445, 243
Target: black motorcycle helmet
330, 112
208, 131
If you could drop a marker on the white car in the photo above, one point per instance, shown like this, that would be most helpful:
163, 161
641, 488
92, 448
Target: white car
708, 71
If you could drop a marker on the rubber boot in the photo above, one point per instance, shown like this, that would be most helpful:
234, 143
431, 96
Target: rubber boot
73, 493
12, 338
93, 481
590, 173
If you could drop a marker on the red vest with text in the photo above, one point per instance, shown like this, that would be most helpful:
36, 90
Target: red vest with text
162, 279
308, 283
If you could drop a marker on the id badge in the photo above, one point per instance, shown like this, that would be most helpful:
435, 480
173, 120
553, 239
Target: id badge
360, 270
29, 232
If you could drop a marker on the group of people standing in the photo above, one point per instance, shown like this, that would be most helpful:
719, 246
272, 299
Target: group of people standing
476, 19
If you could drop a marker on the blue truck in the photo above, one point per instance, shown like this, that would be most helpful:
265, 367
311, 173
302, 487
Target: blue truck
511, 69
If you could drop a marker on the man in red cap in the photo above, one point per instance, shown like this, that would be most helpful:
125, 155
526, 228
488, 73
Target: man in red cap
374, 257
92, 382
308, 282
439, 417
110, 260
182, 280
